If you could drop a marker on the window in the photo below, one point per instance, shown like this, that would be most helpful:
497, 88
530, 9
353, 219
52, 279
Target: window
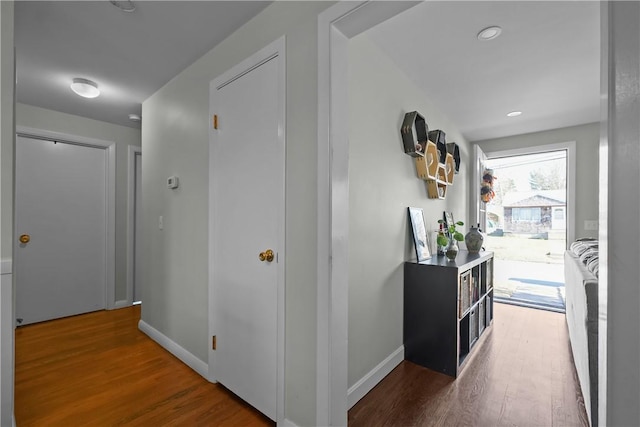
525, 214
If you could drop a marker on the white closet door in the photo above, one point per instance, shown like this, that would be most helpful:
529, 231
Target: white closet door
61, 206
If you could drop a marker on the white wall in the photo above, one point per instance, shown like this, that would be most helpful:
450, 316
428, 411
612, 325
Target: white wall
587, 138
175, 142
40, 118
7, 136
382, 184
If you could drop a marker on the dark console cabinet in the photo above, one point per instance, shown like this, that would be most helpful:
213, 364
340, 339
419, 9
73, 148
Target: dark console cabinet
448, 305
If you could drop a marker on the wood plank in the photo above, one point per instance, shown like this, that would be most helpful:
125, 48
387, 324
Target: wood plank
523, 374
98, 369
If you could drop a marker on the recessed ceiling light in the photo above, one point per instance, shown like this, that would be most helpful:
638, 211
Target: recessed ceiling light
489, 33
514, 114
125, 6
85, 88
135, 117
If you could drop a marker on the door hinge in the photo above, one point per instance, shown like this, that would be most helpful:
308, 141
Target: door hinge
215, 121
213, 342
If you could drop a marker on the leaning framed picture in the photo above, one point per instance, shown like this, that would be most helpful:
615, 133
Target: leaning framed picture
448, 220
420, 241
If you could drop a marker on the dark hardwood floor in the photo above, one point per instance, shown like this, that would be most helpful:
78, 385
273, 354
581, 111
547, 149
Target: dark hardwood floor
522, 375
98, 369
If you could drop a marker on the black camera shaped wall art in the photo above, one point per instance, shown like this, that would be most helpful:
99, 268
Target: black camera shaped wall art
454, 150
414, 134
440, 139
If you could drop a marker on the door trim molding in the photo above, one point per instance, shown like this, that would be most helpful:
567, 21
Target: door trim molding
275, 50
133, 151
570, 147
336, 26
110, 147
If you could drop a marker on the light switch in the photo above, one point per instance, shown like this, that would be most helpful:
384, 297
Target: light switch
160, 224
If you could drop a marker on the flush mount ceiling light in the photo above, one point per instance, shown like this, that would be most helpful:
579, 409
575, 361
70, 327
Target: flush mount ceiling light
514, 114
135, 117
85, 88
125, 6
489, 33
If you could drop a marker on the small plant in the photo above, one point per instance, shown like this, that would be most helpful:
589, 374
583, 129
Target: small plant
451, 231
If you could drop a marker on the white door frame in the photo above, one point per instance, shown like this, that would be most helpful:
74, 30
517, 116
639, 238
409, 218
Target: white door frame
131, 219
274, 51
570, 147
110, 204
336, 26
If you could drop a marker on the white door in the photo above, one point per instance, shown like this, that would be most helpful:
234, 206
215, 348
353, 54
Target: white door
247, 217
558, 218
60, 212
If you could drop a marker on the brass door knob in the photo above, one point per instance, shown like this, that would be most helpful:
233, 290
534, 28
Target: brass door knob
25, 238
267, 255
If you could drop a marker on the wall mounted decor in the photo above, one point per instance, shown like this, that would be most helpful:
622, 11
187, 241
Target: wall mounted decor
427, 166
486, 186
437, 187
449, 168
454, 150
414, 134
434, 164
440, 139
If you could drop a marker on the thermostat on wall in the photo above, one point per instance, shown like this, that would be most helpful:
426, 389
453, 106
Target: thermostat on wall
172, 182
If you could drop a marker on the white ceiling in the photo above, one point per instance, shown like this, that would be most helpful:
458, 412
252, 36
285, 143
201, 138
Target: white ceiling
129, 55
545, 63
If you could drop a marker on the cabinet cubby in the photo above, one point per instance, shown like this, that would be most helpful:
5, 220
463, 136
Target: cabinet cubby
448, 307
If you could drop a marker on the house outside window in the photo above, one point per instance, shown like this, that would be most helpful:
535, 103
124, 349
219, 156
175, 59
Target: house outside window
534, 212
526, 214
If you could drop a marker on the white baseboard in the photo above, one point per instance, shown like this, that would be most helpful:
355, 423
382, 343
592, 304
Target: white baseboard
373, 377
172, 347
287, 423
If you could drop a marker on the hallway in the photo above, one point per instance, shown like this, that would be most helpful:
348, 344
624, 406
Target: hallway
98, 369
522, 375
